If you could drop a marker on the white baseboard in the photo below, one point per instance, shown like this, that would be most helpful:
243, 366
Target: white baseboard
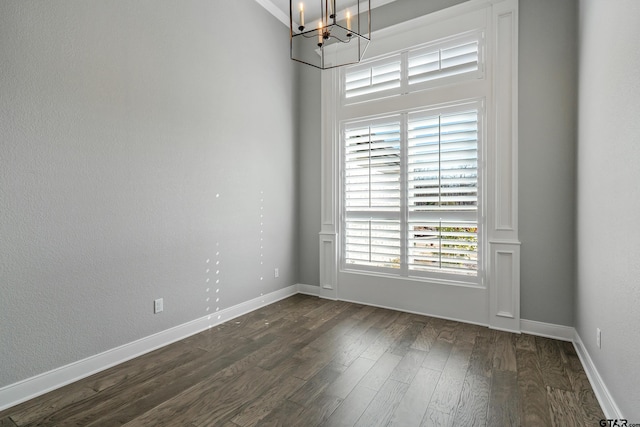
22, 391
548, 330
608, 405
308, 289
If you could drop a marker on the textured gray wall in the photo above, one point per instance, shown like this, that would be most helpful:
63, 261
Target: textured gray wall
137, 141
547, 134
608, 259
547, 86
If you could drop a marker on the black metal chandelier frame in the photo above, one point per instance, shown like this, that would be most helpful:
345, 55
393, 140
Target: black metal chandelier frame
330, 33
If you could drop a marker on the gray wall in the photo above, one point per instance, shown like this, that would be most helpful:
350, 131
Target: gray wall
547, 90
547, 122
608, 257
137, 141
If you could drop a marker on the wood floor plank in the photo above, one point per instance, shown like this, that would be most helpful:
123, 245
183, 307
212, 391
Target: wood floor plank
425, 339
564, 408
286, 414
172, 384
350, 378
408, 367
7, 422
473, 404
317, 384
118, 395
447, 393
383, 405
380, 372
482, 357
504, 402
551, 364
413, 405
292, 414
384, 341
402, 345
435, 418
356, 346
438, 355
505, 352
534, 405
591, 411
447, 331
36, 409
352, 408
525, 342
466, 332
320, 338
259, 408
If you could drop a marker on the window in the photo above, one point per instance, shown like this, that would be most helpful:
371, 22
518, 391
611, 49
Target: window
422, 67
411, 180
410, 191
419, 194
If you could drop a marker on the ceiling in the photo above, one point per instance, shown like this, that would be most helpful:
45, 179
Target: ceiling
280, 8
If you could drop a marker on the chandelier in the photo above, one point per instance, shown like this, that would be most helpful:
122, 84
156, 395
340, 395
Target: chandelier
331, 33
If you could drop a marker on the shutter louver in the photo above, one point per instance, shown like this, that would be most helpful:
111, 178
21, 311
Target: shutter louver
375, 78
433, 63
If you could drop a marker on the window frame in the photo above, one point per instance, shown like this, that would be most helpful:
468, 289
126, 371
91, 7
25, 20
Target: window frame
403, 214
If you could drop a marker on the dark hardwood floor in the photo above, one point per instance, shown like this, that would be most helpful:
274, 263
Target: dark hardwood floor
305, 361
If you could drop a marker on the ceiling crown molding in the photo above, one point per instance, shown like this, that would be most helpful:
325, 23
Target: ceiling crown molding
280, 8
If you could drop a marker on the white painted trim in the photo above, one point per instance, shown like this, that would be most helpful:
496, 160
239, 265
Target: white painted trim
275, 11
281, 16
22, 391
548, 330
308, 289
414, 312
608, 405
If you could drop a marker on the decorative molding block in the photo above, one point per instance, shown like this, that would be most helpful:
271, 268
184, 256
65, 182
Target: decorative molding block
504, 286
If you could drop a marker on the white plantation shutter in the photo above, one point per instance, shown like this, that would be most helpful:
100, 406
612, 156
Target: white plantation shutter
372, 193
422, 166
414, 69
374, 78
433, 63
443, 162
372, 167
443, 246
442, 187
372, 243
410, 181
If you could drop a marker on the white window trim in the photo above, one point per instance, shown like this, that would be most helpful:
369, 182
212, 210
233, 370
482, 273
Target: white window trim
500, 297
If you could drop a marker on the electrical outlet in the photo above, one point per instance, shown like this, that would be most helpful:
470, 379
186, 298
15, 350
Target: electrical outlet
276, 273
158, 305
599, 337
